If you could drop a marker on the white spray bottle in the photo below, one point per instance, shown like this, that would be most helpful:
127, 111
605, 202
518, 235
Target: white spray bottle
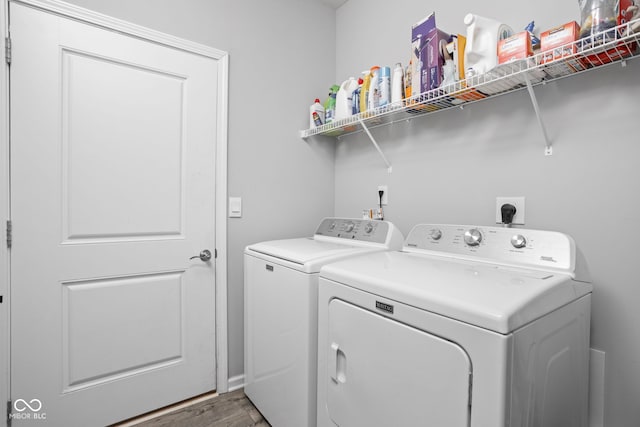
397, 84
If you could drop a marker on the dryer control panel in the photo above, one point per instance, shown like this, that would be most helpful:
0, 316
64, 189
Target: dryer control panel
355, 229
520, 247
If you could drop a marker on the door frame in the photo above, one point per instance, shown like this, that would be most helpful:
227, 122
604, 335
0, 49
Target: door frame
4, 209
103, 21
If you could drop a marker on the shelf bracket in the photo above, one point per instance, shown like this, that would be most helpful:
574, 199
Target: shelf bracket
548, 148
375, 144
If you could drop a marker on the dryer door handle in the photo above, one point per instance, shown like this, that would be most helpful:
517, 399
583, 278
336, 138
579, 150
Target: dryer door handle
337, 364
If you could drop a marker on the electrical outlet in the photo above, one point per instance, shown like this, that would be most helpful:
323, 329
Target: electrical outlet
518, 202
385, 195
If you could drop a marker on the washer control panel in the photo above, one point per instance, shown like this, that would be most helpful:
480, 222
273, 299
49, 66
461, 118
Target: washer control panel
354, 229
533, 248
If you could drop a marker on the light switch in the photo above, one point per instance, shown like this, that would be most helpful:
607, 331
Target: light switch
235, 207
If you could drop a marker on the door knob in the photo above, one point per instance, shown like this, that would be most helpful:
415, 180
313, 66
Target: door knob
205, 255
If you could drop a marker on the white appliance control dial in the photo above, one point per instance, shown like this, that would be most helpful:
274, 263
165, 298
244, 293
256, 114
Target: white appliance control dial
368, 228
472, 237
332, 226
518, 241
349, 227
436, 234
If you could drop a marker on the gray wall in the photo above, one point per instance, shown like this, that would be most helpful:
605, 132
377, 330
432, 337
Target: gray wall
276, 70
450, 166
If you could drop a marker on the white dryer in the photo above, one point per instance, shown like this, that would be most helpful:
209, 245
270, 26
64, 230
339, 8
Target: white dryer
280, 312
466, 326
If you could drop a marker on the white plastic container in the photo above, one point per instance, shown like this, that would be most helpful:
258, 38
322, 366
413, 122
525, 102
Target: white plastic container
397, 84
481, 52
344, 98
385, 86
316, 114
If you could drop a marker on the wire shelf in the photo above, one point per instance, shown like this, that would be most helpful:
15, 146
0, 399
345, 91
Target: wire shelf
609, 47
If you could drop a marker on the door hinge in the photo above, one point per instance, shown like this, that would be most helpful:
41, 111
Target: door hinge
9, 233
7, 50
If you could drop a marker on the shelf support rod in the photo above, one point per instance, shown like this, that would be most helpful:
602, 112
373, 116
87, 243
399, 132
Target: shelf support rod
548, 148
375, 144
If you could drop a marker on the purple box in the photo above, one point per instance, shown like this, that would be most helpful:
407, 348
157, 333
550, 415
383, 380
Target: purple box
427, 42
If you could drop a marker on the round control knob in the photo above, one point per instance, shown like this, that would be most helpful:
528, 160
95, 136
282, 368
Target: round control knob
368, 228
518, 241
435, 234
472, 237
349, 227
332, 226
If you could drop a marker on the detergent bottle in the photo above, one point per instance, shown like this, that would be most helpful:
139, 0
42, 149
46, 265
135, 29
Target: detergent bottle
344, 98
385, 86
330, 104
481, 52
355, 105
373, 100
364, 93
408, 83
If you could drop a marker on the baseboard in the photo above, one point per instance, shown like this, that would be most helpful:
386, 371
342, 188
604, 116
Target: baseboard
236, 382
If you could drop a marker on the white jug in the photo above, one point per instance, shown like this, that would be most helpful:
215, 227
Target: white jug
481, 52
344, 98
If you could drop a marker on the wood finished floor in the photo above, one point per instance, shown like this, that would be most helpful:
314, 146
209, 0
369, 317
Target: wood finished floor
227, 410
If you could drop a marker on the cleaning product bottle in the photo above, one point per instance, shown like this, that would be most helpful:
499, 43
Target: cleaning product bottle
408, 84
483, 35
330, 104
364, 93
344, 98
373, 100
355, 108
397, 84
316, 114
385, 86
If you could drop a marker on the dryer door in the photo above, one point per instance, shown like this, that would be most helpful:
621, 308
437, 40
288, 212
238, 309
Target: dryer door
382, 372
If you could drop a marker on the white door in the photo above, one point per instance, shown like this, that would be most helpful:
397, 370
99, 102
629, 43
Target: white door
112, 178
384, 373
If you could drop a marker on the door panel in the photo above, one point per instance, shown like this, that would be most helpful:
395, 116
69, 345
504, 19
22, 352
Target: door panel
112, 173
154, 337
384, 373
138, 123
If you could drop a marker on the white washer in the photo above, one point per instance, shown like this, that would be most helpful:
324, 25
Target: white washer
280, 306
466, 326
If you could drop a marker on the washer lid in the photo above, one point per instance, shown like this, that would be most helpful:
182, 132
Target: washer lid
490, 296
307, 254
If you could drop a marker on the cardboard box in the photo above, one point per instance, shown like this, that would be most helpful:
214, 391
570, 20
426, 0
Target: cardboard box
518, 46
552, 41
427, 42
